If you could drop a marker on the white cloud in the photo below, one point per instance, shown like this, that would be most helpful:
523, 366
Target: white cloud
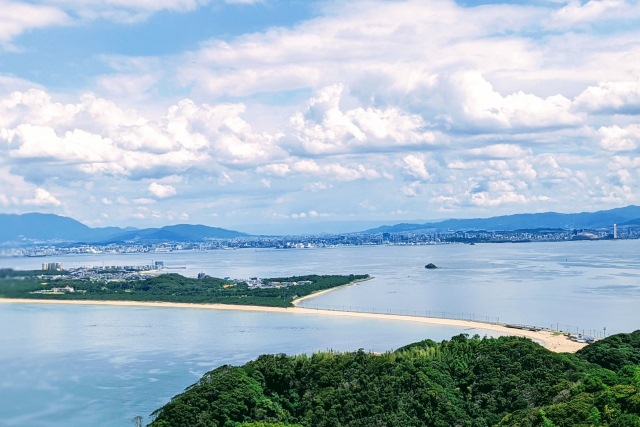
42, 198
577, 12
306, 215
610, 97
18, 17
127, 85
415, 167
473, 104
615, 138
335, 171
325, 129
410, 190
126, 11
161, 191
279, 169
311, 169
499, 151
143, 201
317, 186
95, 136
370, 104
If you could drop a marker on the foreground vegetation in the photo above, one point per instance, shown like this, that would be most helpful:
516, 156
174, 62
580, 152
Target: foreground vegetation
168, 288
470, 382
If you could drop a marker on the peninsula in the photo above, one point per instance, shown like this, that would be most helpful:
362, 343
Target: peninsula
130, 284
276, 295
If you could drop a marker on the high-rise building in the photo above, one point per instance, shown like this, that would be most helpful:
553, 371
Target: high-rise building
615, 231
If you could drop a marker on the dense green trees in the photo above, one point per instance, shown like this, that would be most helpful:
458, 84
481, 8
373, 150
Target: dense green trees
470, 382
174, 288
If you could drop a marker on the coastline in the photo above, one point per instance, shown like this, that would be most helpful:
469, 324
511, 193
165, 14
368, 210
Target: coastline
553, 341
326, 291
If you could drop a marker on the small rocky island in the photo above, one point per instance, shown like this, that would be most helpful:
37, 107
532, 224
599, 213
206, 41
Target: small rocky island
430, 266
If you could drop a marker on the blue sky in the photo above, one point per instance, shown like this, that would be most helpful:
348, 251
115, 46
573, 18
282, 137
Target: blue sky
272, 116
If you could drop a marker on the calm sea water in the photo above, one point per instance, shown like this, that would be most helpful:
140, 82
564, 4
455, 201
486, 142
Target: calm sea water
100, 366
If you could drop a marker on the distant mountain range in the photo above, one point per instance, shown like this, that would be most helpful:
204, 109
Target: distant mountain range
32, 227
629, 215
37, 227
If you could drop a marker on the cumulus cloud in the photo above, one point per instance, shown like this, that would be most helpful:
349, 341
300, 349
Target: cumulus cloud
161, 191
484, 199
610, 97
371, 107
95, 136
325, 129
415, 167
311, 168
617, 139
473, 104
42, 198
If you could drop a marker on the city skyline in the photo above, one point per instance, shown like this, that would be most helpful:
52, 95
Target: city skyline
269, 115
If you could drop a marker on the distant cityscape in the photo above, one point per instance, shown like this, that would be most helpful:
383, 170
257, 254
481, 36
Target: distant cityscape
319, 241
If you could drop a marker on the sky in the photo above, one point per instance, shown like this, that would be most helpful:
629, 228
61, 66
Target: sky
295, 115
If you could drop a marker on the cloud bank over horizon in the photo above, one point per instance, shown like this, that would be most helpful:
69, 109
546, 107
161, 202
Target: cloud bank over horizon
151, 113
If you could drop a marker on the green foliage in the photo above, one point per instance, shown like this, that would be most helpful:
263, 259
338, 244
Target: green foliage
615, 352
171, 288
474, 382
18, 284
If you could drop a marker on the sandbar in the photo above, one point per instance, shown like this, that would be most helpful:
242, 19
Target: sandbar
553, 341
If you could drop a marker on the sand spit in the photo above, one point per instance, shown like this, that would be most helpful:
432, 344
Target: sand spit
552, 340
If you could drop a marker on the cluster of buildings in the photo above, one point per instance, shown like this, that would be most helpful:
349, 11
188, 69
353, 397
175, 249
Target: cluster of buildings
52, 266
422, 237
256, 282
55, 291
110, 273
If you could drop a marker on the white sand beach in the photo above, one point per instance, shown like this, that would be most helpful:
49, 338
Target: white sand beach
551, 340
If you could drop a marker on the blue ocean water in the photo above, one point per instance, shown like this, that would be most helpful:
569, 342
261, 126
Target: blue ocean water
103, 365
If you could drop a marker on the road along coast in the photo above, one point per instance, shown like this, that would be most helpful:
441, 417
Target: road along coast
553, 341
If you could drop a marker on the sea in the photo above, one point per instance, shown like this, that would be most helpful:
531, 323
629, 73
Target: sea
78, 365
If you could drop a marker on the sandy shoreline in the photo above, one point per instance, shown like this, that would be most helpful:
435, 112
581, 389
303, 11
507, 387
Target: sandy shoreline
553, 341
296, 301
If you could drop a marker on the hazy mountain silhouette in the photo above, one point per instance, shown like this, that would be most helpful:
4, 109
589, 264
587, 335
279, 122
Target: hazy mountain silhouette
37, 227
606, 218
48, 227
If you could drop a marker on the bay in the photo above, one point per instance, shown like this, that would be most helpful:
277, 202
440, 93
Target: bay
98, 365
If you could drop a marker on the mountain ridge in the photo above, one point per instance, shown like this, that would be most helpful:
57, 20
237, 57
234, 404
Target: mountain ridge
628, 215
16, 228
31, 227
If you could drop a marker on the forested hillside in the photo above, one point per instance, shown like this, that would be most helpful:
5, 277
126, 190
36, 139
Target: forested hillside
472, 382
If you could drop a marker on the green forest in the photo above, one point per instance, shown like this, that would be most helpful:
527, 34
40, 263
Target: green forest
169, 288
466, 381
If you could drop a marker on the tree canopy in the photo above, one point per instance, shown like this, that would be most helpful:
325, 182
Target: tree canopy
464, 381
